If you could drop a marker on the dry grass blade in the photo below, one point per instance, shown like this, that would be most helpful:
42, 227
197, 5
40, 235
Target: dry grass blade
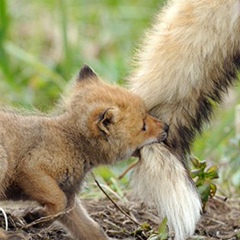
48, 218
115, 204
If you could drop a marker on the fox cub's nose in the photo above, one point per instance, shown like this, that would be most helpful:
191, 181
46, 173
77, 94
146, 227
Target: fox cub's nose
166, 128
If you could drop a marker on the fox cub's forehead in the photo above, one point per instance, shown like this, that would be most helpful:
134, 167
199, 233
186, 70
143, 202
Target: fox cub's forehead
125, 99
92, 88
112, 93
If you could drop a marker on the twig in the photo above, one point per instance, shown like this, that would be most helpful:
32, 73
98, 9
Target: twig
227, 236
118, 229
127, 170
215, 221
112, 192
5, 218
115, 204
48, 218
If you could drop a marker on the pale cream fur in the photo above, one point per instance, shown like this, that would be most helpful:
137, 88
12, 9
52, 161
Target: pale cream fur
187, 60
161, 180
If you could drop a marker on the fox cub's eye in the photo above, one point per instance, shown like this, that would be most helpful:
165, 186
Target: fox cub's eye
106, 122
144, 128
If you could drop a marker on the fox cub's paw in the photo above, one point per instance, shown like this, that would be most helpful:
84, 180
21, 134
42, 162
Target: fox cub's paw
37, 215
13, 235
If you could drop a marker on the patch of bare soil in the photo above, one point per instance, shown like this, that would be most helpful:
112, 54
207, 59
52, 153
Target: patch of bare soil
221, 220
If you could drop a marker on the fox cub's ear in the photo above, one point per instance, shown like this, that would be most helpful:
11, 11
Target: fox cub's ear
107, 117
86, 72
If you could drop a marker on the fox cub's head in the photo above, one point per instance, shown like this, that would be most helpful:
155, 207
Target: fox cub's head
114, 120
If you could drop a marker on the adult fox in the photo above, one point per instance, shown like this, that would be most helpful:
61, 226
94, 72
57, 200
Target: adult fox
45, 158
186, 63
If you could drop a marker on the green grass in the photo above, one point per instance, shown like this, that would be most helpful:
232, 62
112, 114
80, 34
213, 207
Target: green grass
44, 43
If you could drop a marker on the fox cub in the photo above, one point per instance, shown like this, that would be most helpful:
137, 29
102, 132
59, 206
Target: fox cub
45, 158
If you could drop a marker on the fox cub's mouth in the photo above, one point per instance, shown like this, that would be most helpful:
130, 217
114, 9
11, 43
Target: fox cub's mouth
160, 139
164, 135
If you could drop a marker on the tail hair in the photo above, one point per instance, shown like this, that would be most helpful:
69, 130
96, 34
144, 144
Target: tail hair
161, 180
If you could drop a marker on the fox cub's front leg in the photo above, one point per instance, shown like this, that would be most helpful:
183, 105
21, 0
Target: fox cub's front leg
8, 235
45, 190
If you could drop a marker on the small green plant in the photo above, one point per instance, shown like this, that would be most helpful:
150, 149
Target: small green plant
162, 233
204, 176
145, 230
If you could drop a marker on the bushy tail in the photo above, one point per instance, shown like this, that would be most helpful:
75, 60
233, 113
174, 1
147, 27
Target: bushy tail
187, 62
161, 180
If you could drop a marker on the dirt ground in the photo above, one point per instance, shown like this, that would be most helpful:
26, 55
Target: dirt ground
221, 220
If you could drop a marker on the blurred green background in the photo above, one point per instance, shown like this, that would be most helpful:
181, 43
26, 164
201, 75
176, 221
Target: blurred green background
44, 43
